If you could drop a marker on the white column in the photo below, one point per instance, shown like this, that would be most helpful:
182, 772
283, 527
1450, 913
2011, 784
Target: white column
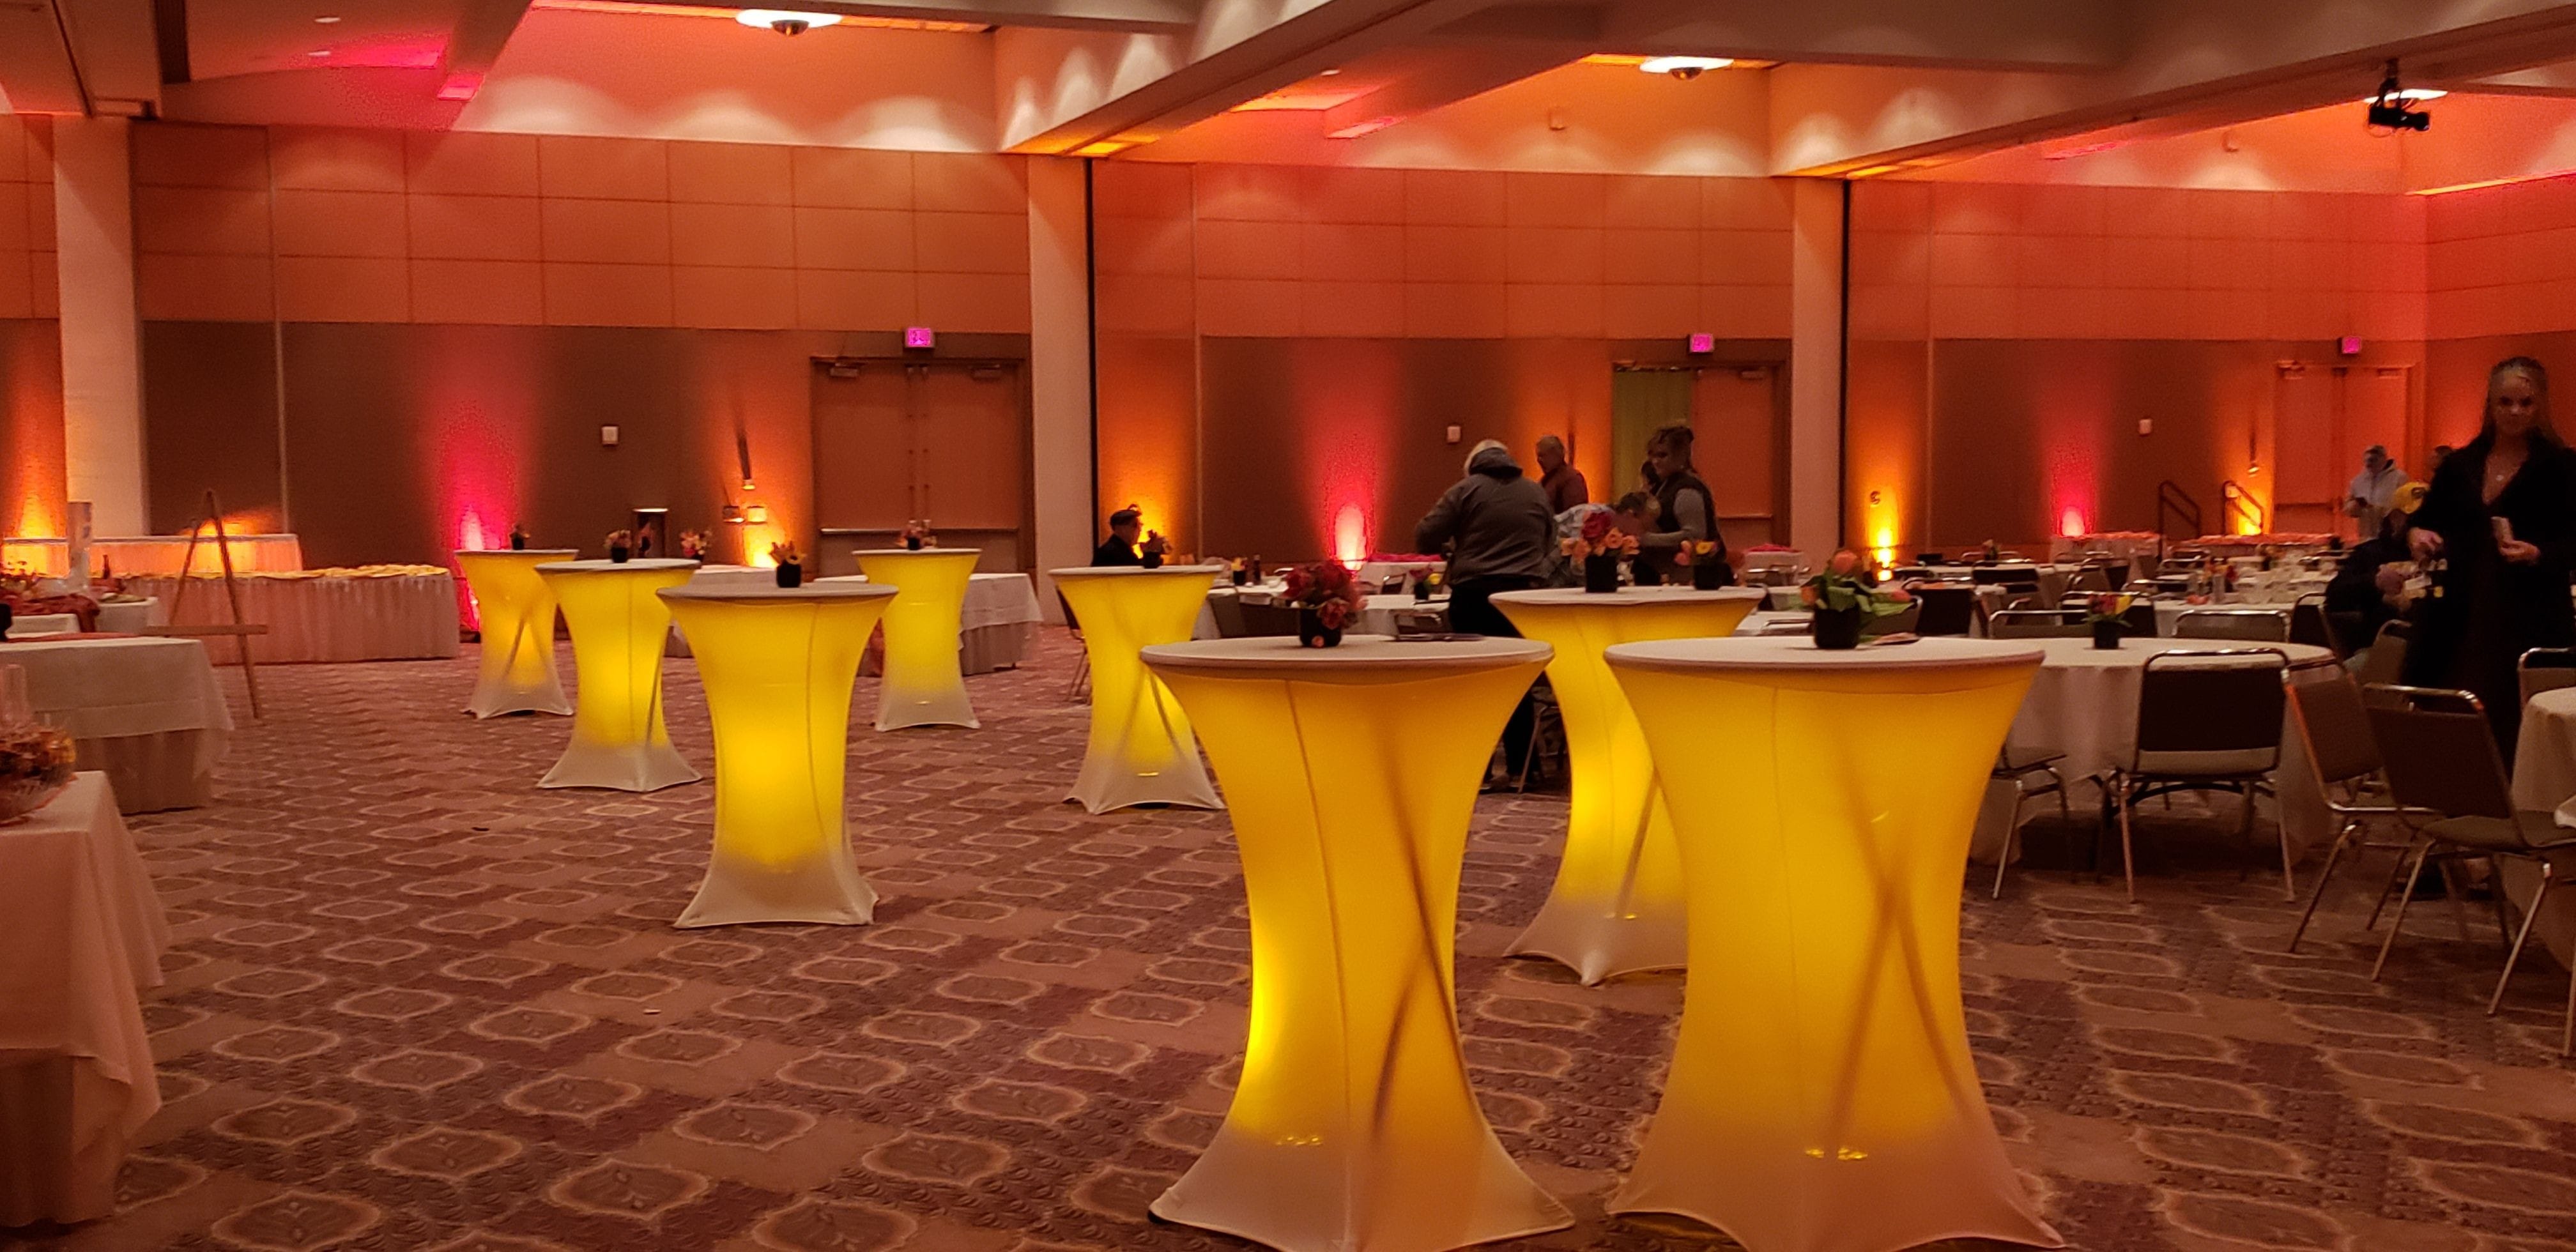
102, 354
1816, 367
1059, 369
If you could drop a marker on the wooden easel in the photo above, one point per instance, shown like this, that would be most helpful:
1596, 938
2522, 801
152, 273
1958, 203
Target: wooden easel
240, 630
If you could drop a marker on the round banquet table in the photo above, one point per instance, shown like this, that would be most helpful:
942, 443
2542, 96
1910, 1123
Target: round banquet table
2544, 778
617, 623
1617, 905
778, 664
2084, 703
924, 683
146, 712
1351, 773
517, 611
1822, 1097
1141, 750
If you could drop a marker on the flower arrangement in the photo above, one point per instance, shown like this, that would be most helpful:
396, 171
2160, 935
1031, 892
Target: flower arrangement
621, 544
2107, 612
1239, 570
1328, 599
917, 535
1599, 537
693, 544
1154, 549
518, 537
1709, 568
1426, 584
790, 563
35, 764
1844, 602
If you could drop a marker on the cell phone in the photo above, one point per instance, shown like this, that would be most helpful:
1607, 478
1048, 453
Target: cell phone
2503, 530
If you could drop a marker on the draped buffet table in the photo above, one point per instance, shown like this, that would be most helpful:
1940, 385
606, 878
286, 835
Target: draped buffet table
152, 555
147, 712
369, 613
85, 939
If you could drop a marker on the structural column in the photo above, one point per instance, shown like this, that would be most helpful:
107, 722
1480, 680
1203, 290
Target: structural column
1816, 365
102, 356
1060, 435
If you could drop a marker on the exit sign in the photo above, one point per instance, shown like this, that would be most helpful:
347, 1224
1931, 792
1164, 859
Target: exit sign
919, 337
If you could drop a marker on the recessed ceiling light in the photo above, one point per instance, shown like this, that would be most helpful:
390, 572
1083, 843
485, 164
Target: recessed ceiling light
1686, 67
786, 21
327, 19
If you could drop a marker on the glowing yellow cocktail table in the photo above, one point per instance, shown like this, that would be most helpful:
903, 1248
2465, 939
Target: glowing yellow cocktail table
923, 684
1141, 749
1617, 906
778, 665
1351, 773
517, 611
618, 628
1821, 1097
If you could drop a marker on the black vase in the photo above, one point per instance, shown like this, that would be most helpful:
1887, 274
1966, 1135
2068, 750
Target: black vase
2107, 632
912, 543
619, 555
1712, 574
7, 614
791, 575
1242, 576
1312, 632
1421, 590
1601, 574
518, 543
1839, 628
1153, 560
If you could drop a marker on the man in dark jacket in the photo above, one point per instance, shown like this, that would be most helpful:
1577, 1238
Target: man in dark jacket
1500, 533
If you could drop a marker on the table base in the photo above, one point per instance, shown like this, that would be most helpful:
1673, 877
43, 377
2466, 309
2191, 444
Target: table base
620, 767
826, 891
902, 707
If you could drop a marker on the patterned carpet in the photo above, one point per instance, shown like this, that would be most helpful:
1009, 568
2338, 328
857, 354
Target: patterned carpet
416, 1003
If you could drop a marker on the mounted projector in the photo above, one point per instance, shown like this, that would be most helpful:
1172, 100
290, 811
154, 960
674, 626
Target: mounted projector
2394, 108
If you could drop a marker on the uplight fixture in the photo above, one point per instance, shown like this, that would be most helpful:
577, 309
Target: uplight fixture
1684, 67
787, 21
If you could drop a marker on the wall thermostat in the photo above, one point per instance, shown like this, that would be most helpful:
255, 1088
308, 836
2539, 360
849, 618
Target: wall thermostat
608, 436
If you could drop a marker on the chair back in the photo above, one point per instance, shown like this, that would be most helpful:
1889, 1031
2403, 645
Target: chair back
2387, 660
1898, 622
2255, 625
2038, 624
1948, 608
1422, 621
1264, 620
2546, 669
2440, 752
1227, 611
2335, 728
2308, 624
2211, 714
2092, 579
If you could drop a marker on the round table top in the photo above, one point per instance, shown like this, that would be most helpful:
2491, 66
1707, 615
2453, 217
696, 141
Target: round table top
1629, 597
1784, 653
919, 552
2133, 652
545, 552
754, 594
639, 565
1282, 657
1124, 571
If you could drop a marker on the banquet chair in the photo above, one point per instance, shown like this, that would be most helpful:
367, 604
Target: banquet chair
2442, 758
1267, 620
2207, 721
2334, 726
1413, 623
2038, 624
1080, 688
1898, 622
2091, 580
2386, 662
2308, 623
2022, 769
2252, 625
2546, 669
1948, 609
1227, 610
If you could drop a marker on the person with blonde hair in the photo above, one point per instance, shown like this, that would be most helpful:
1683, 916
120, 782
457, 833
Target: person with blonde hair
2500, 514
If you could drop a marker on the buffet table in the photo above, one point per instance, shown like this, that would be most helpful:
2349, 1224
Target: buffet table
370, 613
148, 712
154, 554
76, 1080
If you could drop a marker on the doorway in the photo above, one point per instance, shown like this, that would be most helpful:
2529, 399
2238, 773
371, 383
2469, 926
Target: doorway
2323, 418
1737, 414
942, 441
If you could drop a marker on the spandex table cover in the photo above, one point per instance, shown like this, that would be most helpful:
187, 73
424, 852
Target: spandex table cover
1141, 750
1821, 1096
1351, 773
924, 685
518, 614
385, 613
147, 712
778, 665
998, 619
1617, 906
618, 624
75, 1063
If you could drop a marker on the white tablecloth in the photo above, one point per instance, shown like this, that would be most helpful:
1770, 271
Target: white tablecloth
2544, 777
2084, 703
1378, 617
327, 617
123, 617
85, 938
148, 712
994, 626
1375, 573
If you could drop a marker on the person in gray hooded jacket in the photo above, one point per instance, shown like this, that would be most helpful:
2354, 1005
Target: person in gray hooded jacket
1501, 536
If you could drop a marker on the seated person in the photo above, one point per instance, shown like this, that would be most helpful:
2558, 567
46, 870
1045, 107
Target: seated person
1126, 526
2368, 590
1635, 514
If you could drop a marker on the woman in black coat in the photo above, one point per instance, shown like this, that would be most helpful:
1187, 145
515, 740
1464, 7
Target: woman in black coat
2502, 514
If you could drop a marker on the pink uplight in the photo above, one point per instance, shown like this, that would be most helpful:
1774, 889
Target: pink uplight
1350, 536
2071, 524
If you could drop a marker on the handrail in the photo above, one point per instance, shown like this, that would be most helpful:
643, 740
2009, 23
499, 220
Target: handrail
2235, 502
2172, 500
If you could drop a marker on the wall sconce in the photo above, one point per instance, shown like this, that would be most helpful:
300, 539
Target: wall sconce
733, 514
756, 514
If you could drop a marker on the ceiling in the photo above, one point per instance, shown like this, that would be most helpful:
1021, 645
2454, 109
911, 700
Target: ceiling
1855, 87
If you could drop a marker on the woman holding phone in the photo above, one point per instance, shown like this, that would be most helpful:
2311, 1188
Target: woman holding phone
2501, 516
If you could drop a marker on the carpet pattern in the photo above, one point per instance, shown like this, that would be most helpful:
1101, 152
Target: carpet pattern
416, 1003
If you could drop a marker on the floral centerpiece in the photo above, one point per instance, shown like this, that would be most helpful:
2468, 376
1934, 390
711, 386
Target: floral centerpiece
1426, 584
1845, 603
1154, 549
35, 765
1708, 570
917, 535
693, 545
518, 537
791, 568
1598, 546
2107, 612
621, 545
1328, 599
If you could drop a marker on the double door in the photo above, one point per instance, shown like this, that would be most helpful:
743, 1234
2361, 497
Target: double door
943, 441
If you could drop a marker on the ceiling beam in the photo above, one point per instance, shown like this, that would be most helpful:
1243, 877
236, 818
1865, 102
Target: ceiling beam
1431, 78
2065, 35
482, 29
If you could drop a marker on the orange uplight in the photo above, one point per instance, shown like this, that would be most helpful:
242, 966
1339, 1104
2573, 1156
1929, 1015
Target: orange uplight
1350, 536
